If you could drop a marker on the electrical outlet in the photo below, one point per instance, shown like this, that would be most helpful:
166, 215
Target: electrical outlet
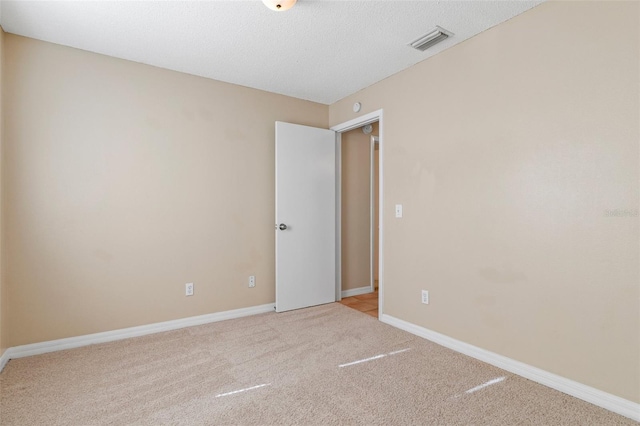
425, 297
252, 281
188, 289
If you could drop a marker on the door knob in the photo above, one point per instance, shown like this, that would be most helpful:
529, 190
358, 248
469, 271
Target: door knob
282, 226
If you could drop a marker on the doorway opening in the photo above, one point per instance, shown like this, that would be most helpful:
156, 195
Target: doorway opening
359, 233
359, 260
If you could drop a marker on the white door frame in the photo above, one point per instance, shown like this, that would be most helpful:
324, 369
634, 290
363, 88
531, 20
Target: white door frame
372, 209
355, 123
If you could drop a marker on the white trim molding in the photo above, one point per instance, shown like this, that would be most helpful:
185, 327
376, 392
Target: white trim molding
4, 359
363, 120
125, 333
356, 291
594, 396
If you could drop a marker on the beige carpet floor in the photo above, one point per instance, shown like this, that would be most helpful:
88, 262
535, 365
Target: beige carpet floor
326, 365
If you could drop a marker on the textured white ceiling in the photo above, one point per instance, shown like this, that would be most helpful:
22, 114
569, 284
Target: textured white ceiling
321, 50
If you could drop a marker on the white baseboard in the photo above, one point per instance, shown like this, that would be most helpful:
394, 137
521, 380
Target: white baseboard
356, 291
4, 359
125, 333
594, 396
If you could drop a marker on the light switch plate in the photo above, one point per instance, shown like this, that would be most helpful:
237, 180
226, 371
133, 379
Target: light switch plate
398, 210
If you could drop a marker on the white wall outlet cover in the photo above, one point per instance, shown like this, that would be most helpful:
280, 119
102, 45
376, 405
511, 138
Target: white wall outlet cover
188, 289
398, 210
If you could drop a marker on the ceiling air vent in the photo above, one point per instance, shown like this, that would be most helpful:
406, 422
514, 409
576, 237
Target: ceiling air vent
428, 40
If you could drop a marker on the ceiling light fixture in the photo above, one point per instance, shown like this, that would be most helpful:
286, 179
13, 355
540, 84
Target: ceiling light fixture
428, 40
279, 5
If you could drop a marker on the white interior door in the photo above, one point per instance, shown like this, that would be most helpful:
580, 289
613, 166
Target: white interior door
305, 216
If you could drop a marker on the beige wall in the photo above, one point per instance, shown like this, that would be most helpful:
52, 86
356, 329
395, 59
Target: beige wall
355, 209
507, 151
124, 182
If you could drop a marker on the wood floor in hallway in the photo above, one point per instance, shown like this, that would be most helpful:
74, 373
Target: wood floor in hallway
366, 303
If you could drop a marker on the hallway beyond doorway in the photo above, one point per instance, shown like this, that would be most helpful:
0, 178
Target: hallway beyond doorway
365, 303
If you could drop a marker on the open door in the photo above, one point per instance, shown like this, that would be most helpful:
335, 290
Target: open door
305, 216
